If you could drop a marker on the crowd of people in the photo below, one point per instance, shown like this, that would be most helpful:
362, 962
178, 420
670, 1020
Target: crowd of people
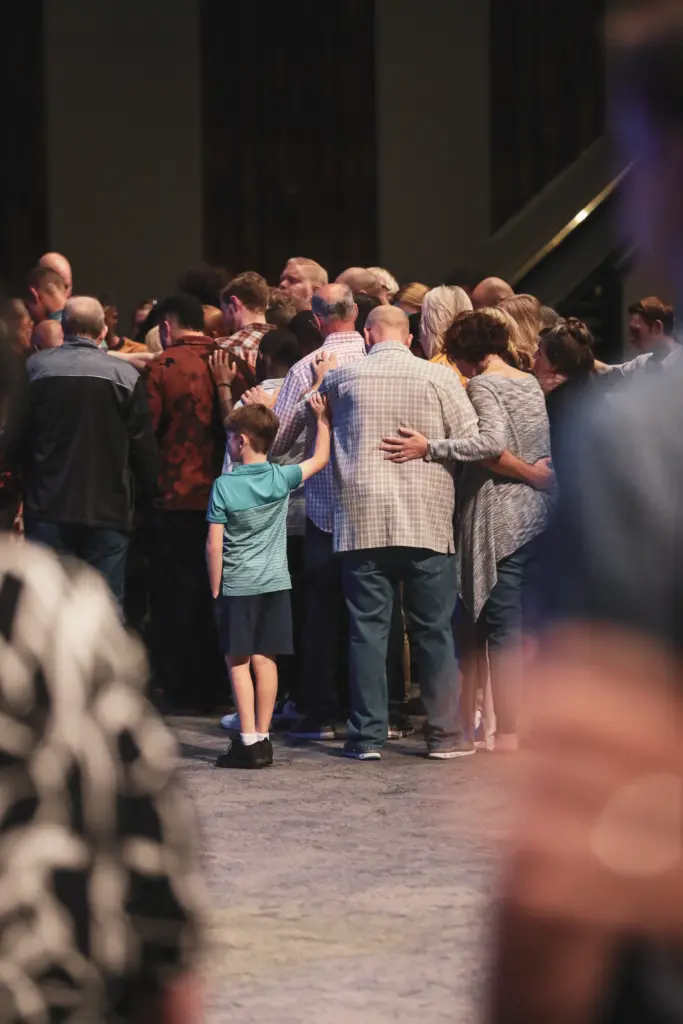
395, 453
331, 496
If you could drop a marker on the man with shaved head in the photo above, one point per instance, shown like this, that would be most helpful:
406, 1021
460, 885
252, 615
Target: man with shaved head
88, 447
491, 292
60, 264
325, 634
393, 524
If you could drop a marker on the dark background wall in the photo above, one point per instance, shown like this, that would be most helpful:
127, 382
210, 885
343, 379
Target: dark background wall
142, 138
23, 170
124, 142
547, 99
432, 76
289, 133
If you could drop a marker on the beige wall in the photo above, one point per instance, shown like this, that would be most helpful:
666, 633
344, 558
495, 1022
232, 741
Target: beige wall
124, 153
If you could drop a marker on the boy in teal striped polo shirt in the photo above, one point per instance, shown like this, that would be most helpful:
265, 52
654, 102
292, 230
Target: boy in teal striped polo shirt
246, 553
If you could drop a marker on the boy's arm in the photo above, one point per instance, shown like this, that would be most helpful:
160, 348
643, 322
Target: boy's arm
214, 556
321, 452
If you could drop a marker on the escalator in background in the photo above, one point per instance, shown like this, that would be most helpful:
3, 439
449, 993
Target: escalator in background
580, 270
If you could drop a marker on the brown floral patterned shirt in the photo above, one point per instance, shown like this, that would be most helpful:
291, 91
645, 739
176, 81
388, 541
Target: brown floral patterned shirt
187, 423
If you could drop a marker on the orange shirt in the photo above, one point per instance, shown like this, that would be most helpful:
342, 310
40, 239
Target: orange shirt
445, 361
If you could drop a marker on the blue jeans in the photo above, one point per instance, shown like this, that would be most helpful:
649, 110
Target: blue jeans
502, 620
104, 550
429, 591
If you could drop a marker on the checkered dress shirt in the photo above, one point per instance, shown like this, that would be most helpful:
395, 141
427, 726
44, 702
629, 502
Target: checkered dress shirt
294, 417
245, 343
378, 503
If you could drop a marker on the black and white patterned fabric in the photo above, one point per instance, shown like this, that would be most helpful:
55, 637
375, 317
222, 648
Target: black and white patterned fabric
99, 895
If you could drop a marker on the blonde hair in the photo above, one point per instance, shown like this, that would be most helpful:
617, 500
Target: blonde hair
386, 279
412, 294
515, 344
316, 274
525, 310
440, 308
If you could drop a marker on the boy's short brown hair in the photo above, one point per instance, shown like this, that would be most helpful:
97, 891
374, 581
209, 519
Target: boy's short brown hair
258, 422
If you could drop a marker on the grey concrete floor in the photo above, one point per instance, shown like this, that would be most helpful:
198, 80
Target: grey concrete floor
343, 890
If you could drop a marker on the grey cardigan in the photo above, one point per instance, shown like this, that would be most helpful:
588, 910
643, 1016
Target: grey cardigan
495, 515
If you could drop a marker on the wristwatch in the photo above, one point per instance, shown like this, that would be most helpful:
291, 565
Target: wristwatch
307, 395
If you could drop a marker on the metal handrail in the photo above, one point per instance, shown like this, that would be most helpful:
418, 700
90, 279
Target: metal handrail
574, 223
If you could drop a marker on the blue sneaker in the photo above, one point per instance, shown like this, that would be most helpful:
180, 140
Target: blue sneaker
362, 752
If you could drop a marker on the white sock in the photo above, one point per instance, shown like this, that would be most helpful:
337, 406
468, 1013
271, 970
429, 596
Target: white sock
249, 738
261, 736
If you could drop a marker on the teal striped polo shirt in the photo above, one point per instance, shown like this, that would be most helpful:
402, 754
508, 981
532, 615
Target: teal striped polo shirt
251, 502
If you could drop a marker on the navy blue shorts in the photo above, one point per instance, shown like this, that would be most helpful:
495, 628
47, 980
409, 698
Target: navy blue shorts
255, 624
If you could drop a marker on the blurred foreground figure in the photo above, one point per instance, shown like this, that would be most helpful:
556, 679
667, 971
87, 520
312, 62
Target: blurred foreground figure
99, 894
591, 923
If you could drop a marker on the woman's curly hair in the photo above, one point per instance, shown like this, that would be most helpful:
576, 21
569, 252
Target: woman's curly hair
474, 336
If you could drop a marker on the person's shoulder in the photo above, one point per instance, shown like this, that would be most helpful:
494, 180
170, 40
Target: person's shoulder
120, 370
302, 364
224, 483
284, 475
40, 362
223, 492
439, 374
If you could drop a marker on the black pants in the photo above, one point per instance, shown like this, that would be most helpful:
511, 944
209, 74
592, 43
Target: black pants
325, 685
183, 640
136, 598
326, 628
290, 666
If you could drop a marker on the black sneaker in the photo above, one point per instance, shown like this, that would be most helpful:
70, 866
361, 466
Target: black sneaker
460, 748
311, 728
239, 756
267, 749
399, 725
362, 751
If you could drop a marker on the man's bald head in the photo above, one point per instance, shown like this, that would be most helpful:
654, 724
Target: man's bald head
47, 334
84, 318
60, 264
491, 292
335, 309
361, 281
387, 323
